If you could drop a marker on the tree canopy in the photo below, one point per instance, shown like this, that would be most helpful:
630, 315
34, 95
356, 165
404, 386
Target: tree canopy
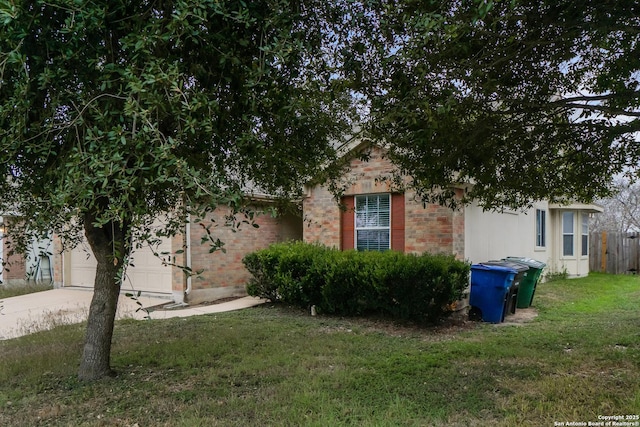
114, 113
525, 99
119, 110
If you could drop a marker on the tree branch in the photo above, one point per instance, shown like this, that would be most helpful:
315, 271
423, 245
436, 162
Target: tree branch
603, 109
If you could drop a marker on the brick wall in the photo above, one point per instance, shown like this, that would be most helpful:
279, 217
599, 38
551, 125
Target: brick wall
433, 228
321, 211
14, 265
224, 274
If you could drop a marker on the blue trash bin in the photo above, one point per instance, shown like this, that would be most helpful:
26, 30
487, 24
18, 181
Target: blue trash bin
490, 286
521, 274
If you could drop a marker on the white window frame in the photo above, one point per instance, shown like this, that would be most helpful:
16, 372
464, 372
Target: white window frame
568, 233
357, 228
584, 235
541, 228
1, 251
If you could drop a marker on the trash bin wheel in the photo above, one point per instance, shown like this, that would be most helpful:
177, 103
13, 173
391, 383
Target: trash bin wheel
475, 314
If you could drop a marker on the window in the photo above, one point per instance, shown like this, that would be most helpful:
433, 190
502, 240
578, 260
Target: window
540, 227
373, 222
348, 220
585, 234
567, 233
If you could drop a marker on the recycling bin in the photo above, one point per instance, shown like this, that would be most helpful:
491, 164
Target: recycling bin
521, 273
529, 283
490, 286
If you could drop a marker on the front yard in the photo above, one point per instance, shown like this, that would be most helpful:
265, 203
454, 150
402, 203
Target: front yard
577, 362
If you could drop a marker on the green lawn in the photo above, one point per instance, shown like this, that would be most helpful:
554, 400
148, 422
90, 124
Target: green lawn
14, 291
578, 360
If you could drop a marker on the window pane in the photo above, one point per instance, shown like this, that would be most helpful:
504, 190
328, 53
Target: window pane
567, 245
567, 223
372, 240
372, 211
567, 233
540, 227
585, 234
373, 220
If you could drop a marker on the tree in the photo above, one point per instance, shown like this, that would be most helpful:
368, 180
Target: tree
113, 114
525, 99
116, 113
621, 209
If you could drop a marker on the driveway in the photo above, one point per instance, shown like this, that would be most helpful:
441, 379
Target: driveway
40, 311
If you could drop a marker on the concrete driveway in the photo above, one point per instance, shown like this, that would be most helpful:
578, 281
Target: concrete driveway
40, 311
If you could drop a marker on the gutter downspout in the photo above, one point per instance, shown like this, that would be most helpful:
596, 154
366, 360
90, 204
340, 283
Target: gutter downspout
188, 250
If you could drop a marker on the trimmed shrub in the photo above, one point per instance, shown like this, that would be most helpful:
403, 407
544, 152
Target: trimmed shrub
406, 286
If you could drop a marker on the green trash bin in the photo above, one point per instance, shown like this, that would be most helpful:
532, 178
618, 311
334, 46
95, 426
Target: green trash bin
530, 281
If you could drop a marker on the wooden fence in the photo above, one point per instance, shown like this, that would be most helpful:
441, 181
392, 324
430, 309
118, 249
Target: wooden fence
616, 253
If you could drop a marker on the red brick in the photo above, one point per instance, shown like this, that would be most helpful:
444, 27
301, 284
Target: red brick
431, 228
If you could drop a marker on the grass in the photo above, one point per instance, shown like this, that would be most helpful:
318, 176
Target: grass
270, 365
29, 288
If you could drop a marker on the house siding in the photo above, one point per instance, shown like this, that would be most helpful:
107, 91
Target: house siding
431, 228
496, 235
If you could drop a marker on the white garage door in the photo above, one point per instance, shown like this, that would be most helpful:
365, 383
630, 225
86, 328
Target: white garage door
147, 275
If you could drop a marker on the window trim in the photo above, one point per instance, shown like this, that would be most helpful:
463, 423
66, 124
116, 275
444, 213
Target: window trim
541, 229
584, 235
572, 233
374, 228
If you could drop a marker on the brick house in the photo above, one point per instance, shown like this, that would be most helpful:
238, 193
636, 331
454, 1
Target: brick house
222, 272
374, 213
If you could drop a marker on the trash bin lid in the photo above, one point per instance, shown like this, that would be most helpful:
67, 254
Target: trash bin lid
501, 268
527, 261
519, 267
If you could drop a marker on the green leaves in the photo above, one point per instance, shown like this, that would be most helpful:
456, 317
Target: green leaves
8, 12
522, 99
143, 106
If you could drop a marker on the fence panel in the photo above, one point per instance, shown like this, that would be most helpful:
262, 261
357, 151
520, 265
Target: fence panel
616, 253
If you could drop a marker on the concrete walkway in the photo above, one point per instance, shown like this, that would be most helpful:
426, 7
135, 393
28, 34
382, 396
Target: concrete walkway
26, 314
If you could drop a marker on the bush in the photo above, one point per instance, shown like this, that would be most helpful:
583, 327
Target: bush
405, 286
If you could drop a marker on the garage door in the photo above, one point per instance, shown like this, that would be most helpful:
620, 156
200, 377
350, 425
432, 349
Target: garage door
147, 275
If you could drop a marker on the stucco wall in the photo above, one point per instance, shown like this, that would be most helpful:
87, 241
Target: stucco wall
494, 235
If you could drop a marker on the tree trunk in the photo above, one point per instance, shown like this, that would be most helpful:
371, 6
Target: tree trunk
108, 245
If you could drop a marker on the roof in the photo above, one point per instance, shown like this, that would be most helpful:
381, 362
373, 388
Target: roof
586, 207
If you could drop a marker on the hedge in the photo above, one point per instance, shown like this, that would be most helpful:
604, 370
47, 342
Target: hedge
406, 286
